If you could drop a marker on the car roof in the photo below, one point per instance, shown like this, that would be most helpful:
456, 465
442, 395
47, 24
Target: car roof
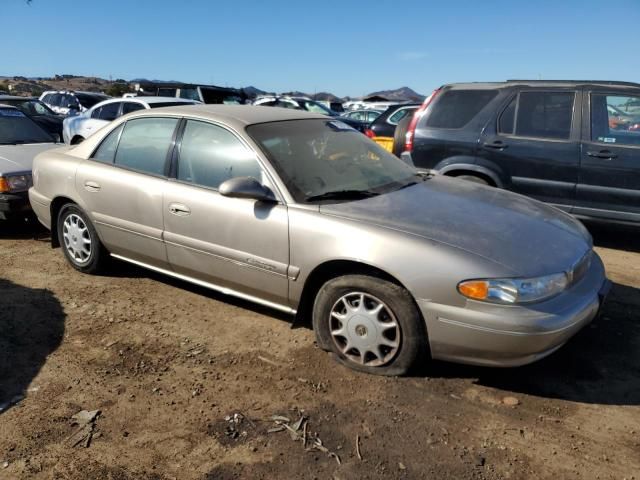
16, 97
73, 92
145, 101
544, 83
233, 115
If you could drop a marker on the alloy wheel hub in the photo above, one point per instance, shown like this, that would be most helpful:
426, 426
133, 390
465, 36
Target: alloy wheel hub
364, 329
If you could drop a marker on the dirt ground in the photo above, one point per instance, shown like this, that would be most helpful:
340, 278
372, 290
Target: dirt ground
169, 366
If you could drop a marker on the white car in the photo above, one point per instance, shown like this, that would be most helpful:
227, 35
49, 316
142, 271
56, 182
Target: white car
67, 102
76, 129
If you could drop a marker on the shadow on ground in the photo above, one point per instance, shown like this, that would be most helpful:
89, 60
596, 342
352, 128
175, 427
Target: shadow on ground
31, 328
23, 229
618, 237
601, 364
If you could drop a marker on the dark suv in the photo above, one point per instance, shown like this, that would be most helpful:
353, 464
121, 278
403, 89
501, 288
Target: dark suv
574, 144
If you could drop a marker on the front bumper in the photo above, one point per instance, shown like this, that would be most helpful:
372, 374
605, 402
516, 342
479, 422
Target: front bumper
14, 205
508, 336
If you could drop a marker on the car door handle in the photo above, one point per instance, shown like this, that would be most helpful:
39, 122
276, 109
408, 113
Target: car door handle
605, 154
91, 186
496, 145
179, 209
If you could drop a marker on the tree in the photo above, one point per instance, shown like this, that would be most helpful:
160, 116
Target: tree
118, 89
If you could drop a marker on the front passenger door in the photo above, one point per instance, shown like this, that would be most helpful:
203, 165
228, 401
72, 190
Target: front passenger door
609, 185
236, 243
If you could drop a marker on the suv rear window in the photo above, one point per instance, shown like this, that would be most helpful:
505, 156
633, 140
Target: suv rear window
456, 108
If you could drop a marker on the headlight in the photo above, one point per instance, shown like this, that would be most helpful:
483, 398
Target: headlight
15, 183
514, 290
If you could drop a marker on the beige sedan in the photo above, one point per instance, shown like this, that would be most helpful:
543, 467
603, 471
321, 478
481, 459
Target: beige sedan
301, 213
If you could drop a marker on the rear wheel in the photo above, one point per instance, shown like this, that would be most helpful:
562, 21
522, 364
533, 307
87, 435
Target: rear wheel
80, 243
400, 134
473, 179
77, 140
370, 325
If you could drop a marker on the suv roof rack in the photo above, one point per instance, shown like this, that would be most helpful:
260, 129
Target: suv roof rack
591, 82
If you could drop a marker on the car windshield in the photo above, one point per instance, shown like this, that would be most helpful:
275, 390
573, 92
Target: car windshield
16, 128
321, 159
30, 107
89, 100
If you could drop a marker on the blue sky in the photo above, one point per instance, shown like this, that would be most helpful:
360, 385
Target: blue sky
347, 47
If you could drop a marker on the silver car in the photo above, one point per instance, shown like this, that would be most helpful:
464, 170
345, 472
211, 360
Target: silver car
76, 128
21, 139
299, 212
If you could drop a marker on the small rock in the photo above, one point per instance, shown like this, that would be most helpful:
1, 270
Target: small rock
511, 401
402, 466
480, 460
5, 464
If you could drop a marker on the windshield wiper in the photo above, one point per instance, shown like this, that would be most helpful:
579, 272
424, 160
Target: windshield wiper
421, 177
342, 195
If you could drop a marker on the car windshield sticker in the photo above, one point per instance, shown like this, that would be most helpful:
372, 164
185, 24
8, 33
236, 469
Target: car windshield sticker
607, 139
10, 112
340, 126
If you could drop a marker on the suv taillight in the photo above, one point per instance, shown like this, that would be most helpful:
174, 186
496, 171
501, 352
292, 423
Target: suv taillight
411, 129
369, 133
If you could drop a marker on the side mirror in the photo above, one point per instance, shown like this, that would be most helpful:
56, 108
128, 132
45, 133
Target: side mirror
246, 187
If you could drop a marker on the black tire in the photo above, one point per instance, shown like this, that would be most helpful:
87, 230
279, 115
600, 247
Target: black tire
412, 335
473, 179
98, 255
76, 140
399, 135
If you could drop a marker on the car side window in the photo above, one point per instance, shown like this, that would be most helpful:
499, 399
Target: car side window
544, 115
107, 149
129, 107
144, 144
210, 155
109, 111
615, 119
399, 115
456, 108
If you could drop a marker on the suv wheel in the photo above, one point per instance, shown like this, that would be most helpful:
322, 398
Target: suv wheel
370, 325
400, 134
473, 178
80, 243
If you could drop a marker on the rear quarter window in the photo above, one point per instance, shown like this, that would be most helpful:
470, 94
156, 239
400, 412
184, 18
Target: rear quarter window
456, 108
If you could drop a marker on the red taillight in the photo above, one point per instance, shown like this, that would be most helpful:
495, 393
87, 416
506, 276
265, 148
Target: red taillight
369, 133
411, 129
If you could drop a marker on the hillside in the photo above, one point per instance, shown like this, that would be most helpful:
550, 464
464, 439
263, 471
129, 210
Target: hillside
35, 86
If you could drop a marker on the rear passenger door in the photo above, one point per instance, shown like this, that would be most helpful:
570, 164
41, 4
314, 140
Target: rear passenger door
609, 185
236, 243
535, 143
122, 185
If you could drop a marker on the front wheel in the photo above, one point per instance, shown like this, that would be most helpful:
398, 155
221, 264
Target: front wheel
370, 325
80, 243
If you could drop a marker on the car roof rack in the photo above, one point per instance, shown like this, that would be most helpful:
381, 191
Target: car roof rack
589, 82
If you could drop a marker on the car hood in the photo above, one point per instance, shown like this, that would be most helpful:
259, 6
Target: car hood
19, 158
525, 236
